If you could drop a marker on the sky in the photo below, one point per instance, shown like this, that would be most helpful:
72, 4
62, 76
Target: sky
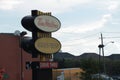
82, 22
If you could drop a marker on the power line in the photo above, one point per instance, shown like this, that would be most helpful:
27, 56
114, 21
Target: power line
87, 36
111, 32
110, 37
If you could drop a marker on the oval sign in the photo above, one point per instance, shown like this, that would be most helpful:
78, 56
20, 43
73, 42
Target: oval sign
47, 23
47, 45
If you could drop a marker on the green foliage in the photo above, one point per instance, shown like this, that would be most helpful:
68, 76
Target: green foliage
113, 67
91, 66
66, 63
86, 76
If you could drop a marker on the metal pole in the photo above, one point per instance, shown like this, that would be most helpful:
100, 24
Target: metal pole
99, 61
103, 54
104, 61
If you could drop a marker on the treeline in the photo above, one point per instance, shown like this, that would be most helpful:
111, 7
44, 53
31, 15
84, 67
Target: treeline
91, 66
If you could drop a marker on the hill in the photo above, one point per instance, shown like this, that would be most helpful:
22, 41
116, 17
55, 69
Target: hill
66, 55
114, 57
63, 55
88, 55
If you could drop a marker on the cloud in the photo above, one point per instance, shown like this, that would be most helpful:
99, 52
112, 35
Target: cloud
74, 31
108, 5
8, 4
56, 6
80, 45
87, 26
113, 5
117, 46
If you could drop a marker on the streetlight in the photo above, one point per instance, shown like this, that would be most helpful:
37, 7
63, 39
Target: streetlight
101, 47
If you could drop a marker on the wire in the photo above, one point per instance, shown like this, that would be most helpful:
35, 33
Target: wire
110, 37
90, 35
111, 32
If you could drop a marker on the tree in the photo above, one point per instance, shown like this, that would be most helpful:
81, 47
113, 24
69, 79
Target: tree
90, 66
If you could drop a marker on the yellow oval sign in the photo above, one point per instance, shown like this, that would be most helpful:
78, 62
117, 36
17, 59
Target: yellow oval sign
47, 45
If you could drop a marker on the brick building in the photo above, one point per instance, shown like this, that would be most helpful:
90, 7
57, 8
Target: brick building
10, 58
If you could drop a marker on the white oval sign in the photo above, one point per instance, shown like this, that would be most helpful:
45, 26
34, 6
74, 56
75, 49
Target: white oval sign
47, 45
47, 23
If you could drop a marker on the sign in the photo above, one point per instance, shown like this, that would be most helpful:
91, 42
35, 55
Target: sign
44, 65
47, 23
47, 45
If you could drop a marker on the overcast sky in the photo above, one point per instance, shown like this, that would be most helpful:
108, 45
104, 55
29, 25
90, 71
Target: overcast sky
82, 21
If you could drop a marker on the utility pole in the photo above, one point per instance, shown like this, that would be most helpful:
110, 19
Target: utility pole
101, 49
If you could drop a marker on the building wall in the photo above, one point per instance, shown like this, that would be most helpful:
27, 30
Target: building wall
10, 58
69, 73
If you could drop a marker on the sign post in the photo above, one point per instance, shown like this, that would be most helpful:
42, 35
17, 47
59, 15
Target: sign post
43, 44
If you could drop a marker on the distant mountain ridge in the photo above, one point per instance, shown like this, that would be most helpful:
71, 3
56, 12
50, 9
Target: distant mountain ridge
114, 57
66, 55
88, 55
